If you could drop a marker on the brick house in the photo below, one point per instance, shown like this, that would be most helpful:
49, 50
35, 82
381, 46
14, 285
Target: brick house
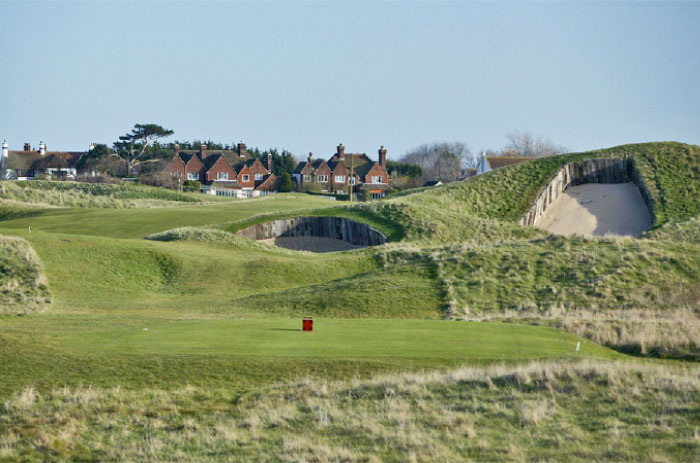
344, 170
225, 172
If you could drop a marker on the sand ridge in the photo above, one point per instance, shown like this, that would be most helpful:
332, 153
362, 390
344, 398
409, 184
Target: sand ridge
596, 209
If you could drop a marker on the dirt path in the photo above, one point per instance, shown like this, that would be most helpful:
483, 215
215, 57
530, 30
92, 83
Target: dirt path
597, 209
312, 243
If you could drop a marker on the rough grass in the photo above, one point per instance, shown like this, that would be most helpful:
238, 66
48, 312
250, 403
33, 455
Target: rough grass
78, 194
23, 286
564, 412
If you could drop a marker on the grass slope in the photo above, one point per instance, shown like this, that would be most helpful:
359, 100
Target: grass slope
581, 412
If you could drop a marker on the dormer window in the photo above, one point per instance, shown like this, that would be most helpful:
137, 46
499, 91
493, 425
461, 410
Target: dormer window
377, 179
192, 176
222, 175
246, 178
258, 176
323, 178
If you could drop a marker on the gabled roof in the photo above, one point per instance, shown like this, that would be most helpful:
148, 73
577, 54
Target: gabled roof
360, 163
32, 160
268, 182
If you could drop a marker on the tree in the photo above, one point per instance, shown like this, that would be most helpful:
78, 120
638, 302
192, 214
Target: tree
528, 144
440, 161
286, 184
131, 147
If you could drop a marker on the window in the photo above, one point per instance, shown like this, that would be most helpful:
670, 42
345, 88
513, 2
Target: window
340, 179
308, 178
246, 178
258, 176
222, 175
192, 176
323, 178
377, 195
353, 180
377, 179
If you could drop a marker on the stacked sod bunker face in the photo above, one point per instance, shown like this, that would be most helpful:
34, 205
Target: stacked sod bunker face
316, 234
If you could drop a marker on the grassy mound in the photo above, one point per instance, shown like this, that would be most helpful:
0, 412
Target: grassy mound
23, 287
455, 212
588, 411
78, 194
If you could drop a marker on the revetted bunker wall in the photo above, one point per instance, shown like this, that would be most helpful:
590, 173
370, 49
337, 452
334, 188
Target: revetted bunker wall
356, 233
588, 171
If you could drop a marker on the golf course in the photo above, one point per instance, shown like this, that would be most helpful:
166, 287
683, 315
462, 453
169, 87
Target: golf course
136, 324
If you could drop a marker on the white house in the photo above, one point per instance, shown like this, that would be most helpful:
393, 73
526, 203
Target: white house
28, 163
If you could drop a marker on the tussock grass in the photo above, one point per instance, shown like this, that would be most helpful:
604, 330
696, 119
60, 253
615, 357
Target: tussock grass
551, 411
95, 195
23, 286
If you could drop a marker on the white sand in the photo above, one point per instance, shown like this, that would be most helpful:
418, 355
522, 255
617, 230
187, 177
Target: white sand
312, 243
596, 209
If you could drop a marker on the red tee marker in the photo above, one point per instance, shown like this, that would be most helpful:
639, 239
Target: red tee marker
307, 324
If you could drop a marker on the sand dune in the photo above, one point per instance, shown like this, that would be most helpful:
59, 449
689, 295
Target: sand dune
596, 209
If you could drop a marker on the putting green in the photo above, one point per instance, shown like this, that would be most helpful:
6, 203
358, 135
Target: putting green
332, 338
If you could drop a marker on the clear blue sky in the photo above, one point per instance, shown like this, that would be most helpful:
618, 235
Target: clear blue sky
306, 76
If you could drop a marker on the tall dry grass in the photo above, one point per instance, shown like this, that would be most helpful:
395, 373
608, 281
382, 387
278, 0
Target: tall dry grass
551, 411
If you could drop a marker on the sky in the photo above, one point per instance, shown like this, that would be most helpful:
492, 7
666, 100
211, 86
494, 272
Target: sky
306, 76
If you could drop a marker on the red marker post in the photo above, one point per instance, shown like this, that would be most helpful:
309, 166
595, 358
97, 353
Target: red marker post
307, 324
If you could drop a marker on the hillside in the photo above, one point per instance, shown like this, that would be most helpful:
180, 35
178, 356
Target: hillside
546, 411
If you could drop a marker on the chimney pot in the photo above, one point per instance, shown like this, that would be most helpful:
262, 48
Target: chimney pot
241, 149
382, 156
311, 156
269, 162
177, 149
27, 147
203, 151
341, 152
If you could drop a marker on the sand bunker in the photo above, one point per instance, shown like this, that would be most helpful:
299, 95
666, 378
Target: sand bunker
311, 243
596, 209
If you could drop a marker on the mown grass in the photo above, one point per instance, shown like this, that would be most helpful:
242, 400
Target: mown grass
565, 412
23, 286
246, 354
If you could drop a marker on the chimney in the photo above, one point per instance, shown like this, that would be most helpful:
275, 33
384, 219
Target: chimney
241, 150
311, 157
177, 149
42, 148
269, 162
5, 149
27, 147
382, 157
341, 152
203, 151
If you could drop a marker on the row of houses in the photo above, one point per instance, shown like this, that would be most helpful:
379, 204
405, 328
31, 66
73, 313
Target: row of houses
236, 173
225, 172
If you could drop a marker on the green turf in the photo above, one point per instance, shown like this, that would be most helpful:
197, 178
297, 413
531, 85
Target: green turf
50, 351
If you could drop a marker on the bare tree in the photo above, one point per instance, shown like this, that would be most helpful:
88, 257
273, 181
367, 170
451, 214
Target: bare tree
441, 161
531, 145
